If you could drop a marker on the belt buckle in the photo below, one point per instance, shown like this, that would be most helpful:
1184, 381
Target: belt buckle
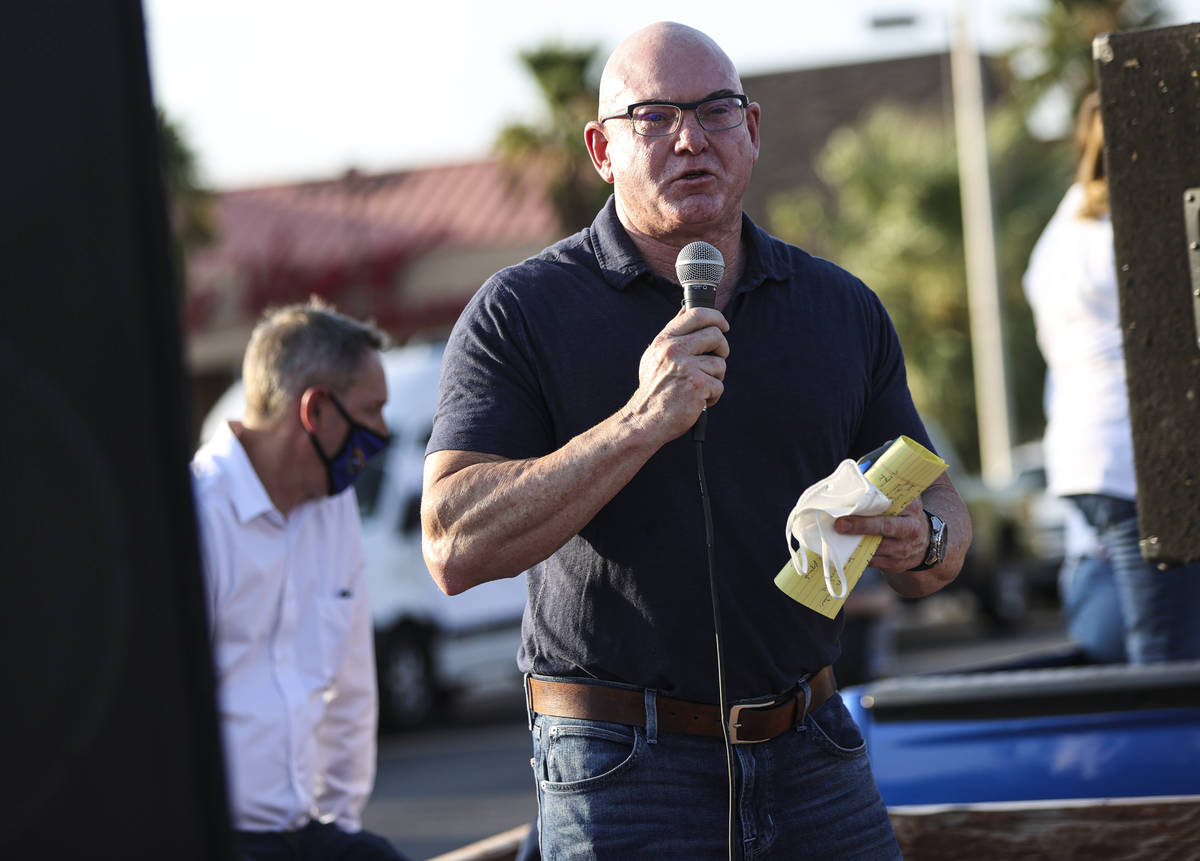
735, 712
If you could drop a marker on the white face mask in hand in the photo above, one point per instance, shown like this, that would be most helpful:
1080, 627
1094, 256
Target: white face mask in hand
846, 491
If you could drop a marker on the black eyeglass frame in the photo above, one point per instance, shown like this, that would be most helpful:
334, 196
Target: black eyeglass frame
681, 107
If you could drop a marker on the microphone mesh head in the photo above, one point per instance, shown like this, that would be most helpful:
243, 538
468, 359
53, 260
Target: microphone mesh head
699, 263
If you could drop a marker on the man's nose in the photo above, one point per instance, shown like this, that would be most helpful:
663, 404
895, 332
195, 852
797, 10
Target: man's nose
691, 136
380, 426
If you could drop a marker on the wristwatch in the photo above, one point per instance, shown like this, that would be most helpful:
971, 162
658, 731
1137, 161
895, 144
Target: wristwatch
937, 542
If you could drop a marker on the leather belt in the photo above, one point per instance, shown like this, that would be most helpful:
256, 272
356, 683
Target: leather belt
749, 721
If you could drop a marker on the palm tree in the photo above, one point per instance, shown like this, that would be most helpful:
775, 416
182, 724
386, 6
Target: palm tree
566, 80
189, 204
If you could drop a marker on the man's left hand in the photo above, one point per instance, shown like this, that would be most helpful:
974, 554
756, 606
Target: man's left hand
905, 536
906, 539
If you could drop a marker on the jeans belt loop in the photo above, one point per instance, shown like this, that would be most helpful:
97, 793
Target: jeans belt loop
651, 699
807, 688
528, 701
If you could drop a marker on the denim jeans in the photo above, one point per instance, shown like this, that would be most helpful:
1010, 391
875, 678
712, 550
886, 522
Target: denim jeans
1088, 591
610, 791
1160, 608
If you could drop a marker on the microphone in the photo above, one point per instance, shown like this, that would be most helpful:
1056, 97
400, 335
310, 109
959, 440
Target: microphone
699, 268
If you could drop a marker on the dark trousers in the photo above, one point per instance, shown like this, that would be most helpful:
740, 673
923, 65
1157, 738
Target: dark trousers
314, 842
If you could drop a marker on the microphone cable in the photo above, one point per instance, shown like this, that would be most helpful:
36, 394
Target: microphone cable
698, 437
700, 267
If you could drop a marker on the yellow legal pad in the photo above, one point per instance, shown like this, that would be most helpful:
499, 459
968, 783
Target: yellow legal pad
901, 473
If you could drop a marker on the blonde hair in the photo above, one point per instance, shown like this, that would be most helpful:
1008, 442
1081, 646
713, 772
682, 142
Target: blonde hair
1089, 149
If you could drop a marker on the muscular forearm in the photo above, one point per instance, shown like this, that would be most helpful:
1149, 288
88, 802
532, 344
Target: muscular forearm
484, 518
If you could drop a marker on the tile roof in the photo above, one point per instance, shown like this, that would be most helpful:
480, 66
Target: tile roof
341, 220
337, 237
262, 225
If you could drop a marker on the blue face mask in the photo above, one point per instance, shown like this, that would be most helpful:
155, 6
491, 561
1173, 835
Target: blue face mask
360, 445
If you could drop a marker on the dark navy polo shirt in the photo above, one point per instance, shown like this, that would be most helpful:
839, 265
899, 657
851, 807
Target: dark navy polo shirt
550, 347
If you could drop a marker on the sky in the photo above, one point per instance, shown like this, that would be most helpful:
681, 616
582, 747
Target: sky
286, 90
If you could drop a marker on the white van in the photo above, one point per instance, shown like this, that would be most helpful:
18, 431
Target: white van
428, 646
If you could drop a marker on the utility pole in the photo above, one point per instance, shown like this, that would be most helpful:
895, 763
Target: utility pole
992, 392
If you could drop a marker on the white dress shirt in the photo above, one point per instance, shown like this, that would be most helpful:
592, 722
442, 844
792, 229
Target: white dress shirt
1071, 284
291, 637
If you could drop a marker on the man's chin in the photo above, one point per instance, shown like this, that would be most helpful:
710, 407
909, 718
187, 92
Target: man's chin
696, 211
695, 216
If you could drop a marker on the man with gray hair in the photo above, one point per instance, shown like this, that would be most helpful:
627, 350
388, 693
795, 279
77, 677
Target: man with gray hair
287, 607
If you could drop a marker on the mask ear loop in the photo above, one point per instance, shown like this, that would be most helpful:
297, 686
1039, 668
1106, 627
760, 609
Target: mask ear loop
801, 563
825, 563
353, 427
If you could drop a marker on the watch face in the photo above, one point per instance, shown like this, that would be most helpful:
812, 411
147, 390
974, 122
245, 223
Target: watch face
937, 540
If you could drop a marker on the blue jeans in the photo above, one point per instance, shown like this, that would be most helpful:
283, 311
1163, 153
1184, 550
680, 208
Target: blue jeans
1160, 608
1088, 590
610, 791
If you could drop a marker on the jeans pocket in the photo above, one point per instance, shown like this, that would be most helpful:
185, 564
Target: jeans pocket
833, 730
577, 755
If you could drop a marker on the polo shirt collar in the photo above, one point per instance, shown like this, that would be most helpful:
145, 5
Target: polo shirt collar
621, 262
246, 491
766, 256
619, 259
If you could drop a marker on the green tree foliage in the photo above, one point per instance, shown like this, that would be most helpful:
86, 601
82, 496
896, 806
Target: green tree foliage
1059, 56
565, 76
894, 217
189, 204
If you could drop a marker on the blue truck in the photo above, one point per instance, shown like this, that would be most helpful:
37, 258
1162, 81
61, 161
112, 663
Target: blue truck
1047, 757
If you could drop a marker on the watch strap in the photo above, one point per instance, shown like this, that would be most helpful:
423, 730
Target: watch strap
936, 552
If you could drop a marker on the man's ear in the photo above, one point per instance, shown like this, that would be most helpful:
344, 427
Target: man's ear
310, 408
753, 115
596, 140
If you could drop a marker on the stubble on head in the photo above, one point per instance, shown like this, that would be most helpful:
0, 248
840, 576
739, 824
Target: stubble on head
633, 68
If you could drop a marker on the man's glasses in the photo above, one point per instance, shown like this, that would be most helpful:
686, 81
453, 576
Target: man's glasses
655, 119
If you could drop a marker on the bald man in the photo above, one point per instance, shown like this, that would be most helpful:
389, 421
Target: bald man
561, 446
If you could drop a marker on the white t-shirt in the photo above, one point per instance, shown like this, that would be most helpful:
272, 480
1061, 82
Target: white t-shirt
1071, 284
291, 637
